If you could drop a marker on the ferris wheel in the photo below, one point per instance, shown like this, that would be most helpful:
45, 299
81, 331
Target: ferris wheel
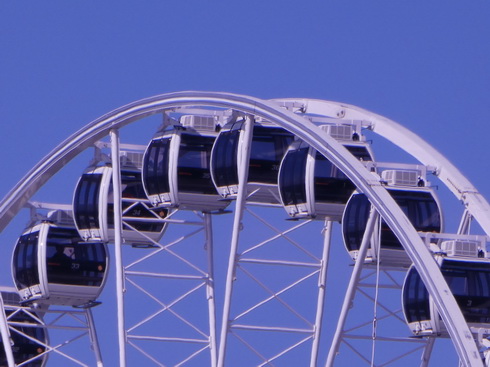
215, 229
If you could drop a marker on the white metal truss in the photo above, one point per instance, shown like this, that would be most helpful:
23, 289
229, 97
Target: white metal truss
195, 283
66, 330
477, 207
267, 306
196, 275
385, 324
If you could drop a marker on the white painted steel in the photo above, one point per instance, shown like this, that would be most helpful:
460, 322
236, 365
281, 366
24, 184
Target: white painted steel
237, 224
6, 339
213, 339
116, 184
94, 340
351, 289
322, 284
355, 171
459, 185
429, 347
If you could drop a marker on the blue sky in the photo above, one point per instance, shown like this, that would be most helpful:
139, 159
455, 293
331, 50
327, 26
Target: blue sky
423, 64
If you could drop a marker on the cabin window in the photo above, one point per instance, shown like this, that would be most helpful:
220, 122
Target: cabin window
193, 174
132, 205
420, 208
469, 282
415, 298
86, 203
225, 170
156, 167
72, 263
330, 183
292, 177
267, 150
355, 220
25, 260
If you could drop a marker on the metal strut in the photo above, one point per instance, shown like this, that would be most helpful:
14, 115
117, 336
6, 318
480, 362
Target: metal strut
351, 289
116, 181
237, 224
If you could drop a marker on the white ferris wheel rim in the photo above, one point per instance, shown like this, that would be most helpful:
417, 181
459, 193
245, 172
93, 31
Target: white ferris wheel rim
323, 143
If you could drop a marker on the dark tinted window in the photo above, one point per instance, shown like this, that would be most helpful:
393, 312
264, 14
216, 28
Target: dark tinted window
469, 282
355, 220
132, 186
133, 206
155, 167
86, 201
26, 272
420, 207
331, 184
415, 298
225, 158
71, 262
193, 174
267, 150
292, 177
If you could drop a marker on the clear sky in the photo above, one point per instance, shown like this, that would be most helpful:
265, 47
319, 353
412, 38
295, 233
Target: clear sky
425, 64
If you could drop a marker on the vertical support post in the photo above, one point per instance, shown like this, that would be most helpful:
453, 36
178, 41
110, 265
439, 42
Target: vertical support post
243, 163
322, 282
351, 289
4, 329
93, 337
464, 225
210, 289
116, 182
427, 352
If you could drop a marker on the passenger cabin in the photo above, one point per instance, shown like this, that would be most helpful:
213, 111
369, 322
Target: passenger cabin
467, 273
267, 148
176, 171
52, 265
28, 351
416, 199
311, 186
93, 204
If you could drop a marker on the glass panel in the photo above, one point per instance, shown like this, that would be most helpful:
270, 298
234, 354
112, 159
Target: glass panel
354, 221
86, 201
469, 283
132, 207
292, 177
467, 280
415, 298
155, 167
72, 263
331, 184
26, 272
132, 186
420, 208
225, 158
193, 173
267, 150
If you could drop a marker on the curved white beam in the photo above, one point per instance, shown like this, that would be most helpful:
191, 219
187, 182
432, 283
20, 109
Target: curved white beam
304, 129
458, 184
